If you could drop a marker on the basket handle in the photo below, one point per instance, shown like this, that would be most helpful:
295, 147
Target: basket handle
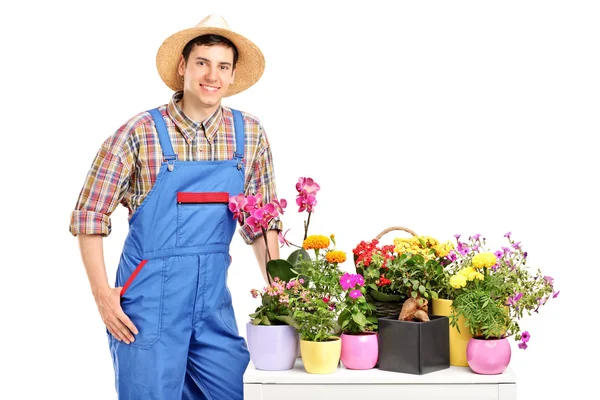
395, 228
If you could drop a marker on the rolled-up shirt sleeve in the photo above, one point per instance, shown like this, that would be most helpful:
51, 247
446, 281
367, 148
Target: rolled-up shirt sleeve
104, 187
261, 180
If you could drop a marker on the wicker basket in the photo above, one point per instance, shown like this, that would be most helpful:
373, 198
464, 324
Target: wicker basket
388, 308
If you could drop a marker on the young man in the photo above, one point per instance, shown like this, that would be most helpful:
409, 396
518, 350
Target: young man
170, 322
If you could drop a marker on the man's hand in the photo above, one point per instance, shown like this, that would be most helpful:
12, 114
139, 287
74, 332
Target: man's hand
118, 324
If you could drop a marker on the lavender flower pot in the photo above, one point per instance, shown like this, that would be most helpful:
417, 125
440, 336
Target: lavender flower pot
488, 356
272, 348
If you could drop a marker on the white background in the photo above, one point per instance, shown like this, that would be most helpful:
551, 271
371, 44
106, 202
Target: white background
442, 116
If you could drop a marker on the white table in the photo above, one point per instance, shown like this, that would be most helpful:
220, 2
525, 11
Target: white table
452, 383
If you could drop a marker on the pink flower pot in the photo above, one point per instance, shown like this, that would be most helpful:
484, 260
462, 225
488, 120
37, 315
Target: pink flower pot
488, 356
359, 351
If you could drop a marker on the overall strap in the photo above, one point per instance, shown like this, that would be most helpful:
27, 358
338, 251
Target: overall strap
163, 137
238, 124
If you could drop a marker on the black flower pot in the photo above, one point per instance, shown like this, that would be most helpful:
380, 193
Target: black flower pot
414, 347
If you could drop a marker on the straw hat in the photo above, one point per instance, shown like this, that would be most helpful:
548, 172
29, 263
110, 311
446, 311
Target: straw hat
249, 67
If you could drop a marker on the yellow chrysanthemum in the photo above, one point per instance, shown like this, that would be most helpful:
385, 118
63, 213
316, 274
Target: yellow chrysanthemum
484, 260
335, 256
316, 242
443, 249
458, 281
471, 274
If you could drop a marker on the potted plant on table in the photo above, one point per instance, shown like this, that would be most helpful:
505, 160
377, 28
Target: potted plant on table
316, 310
271, 332
358, 325
493, 292
412, 341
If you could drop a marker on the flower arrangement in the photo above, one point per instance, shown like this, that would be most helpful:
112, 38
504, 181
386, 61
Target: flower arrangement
410, 271
277, 300
317, 312
495, 290
356, 314
374, 262
422, 260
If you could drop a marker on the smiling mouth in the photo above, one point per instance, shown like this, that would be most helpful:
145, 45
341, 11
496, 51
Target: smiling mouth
211, 89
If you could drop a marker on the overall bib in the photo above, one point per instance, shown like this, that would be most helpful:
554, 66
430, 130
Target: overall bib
173, 270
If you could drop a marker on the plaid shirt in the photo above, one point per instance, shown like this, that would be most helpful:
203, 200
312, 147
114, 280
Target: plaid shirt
128, 162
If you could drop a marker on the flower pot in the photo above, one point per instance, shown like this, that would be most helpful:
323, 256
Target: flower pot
413, 347
272, 347
488, 356
458, 340
359, 351
321, 357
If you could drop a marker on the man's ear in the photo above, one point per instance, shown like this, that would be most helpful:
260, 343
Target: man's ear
233, 77
181, 66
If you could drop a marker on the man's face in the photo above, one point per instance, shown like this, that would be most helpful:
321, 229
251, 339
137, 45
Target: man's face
207, 74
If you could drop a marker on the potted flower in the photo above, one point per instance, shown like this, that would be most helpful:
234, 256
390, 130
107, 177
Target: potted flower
493, 292
375, 263
315, 311
358, 325
271, 332
421, 261
320, 349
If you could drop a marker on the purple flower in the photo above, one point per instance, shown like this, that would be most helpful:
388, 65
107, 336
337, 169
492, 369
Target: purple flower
523, 345
347, 281
555, 294
355, 294
507, 235
476, 237
525, 337
512, 300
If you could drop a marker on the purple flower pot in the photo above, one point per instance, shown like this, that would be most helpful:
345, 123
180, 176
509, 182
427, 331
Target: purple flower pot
359, 351
272, 348
488, 356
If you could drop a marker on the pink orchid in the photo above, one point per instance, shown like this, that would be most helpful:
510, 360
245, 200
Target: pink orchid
307, 189
282, 239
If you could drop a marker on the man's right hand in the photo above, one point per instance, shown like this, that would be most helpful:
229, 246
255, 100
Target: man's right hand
118, 324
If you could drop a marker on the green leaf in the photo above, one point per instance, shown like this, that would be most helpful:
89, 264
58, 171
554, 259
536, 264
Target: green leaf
289, 320
422, 289
256, 321
265, 320
282, 269
359, 319
384, 296
414, 294
297, 255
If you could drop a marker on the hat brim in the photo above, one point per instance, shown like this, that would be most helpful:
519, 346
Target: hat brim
249, 68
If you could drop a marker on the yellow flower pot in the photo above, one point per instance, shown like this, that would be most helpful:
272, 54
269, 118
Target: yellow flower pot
458, 341
321, 357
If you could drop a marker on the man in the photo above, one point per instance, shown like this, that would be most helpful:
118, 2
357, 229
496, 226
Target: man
170, 322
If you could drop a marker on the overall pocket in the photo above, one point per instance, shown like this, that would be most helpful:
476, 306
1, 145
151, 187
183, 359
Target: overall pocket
142, 301
202, 218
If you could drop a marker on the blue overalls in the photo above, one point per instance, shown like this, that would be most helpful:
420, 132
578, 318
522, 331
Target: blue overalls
173, 270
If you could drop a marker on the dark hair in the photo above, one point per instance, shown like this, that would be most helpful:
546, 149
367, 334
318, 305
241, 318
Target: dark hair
209, 40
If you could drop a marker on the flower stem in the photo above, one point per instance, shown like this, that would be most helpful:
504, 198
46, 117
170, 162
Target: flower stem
306, 223
267, 253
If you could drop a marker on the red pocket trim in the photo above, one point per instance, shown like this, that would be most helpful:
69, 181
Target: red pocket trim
203, 197
132, 277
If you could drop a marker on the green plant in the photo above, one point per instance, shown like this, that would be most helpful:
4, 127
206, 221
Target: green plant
495, 290
421, 261
315, 317
277, 300
317, 311
356, 314
375, 264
